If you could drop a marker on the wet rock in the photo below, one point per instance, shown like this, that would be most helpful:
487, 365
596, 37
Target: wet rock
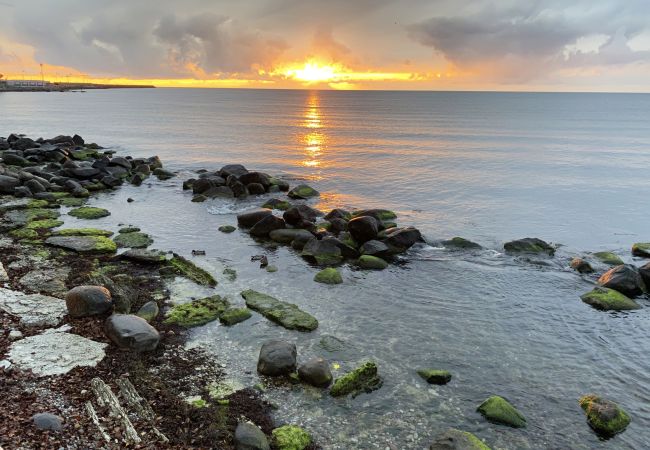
460, 243
267, 224
374, 248
276, 203
83, 301
381, 215
33, 309
290, 437
227, 228
278, 185
286, 314
47, 421
287, 235
298, 214
581, 266
250, 218
198, 312
133, 240
163, 174
362, 379
199, 198
644, 271
300, 240
641, 249
8, 184
277, 357
338, 213
149, 311
609, 258
316, 372
249, 437
22, 143
328, 276
435, 376
303, 191
363, 228
529, 245
369, 262
83, 244
145, 256
401, 239
271, 269
89, 213
323, 252
605, 417
13, 159
131, 332
608, 300
232, 316
186, 268
337, 225
236, 170
239, 190
255, 178
498, 410
624, 279
454, 439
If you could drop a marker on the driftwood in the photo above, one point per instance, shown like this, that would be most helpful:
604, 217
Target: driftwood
93, 416
106, 398
140, 405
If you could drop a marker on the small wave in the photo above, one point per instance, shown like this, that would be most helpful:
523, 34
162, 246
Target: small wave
230, 208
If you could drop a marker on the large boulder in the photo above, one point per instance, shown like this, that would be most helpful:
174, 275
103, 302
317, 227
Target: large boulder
362, 379
338, 213
608, 300
236, 170
381, 215
267, 224
609, 258
277, 357
256, 178
23, 143
322, 252
85, 301
641, 249
287, 235
529, 245
303, 191
625, 279
249, 218
248, 436
374, 248
454, 439
131, 332
301, 213
498, 410
316, 372
363, 228
604, 416
8, 184
401, 239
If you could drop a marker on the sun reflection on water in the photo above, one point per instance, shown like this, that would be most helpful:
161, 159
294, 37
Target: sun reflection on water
312, 139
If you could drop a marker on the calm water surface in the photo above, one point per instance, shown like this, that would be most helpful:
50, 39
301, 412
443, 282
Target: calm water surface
568, 168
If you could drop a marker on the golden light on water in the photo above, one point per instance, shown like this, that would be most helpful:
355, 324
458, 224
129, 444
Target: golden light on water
313, 140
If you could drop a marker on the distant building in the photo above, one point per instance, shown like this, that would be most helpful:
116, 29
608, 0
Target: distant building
26, 83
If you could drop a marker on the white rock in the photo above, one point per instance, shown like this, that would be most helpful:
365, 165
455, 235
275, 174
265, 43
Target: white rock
33, 309
14, 335
4, 276
55, 352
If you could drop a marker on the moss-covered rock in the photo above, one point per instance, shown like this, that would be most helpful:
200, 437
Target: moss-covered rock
370, 262
43, 224
134, 239
362, 379
290, 437
231, 316
82, 232
329, 276
286, 314
39, 204
609, 258
604, 416
128, 230
461, 244
83, 244
230, 273
608, 300
303, 191
71, 202
379, 214
271, 268
227, 228
498, 410
23, 216
641, 249
435, 376
89, 212
529, 245
454, 439
278, 204
198, 312
24, 233
189, 270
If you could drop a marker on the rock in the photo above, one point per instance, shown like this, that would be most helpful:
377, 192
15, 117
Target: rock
83, 244
368, 262
232, 316
434, 376
461, 244
290, 437
300, 240
49, 281
624, 279
271, 269
275, 203
199, 198
89, 213
131, 332
11, 159
163, 174
362, 379
83, 301
287, 235
401, 239
277, 357
338, 213
303, 192
86, 173
498, 410
133, 240
267, 224
239, 190
374, 248
581, 266
609, 258
33, 309
644, 271
298, 214
78, 140
14, 335
149, 311
47, 421
255, 178
8, 184
380, 215
191, 271
329, 276
323, 252
250, 218
641, 249
23, 143
363, 228
236, 170
145, 256
249, 437
286, 314
454, 439
278, 184
227, 228
529, 245
198, 312
605, 417
121, 162
55, 352
316, 372
219, 192
608, 300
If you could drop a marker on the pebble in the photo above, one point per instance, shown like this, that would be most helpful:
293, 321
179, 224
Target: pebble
14, 335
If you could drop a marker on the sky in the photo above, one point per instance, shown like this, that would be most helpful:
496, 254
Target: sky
534, 45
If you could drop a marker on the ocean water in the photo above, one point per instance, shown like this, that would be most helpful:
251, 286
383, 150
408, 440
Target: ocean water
568, 168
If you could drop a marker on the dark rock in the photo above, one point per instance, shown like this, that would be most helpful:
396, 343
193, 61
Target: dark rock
641, 249
255, 178
143, 169
435, 376
47, 421
23, 143
78, 140
239, 189
8, 184
120, 172
188, 184
145, 256
266, 225
498, 410
316, 372
363, 228
111, 181
581, 266
338, 214
287, 235
236, 170
201, 185
131, 332
401, 239
303, 192
219, 192
22, 192
644, 271
624, 279
277, 358
255, 189
374, 248
300, 239
83, 173
322, 252
604, 416
163, 174
346, 250
338, 225
12, 159
83, 301
249, 437
137, 179
149, 311
299, 213
454, 439
460, 243
249, 218
529, 245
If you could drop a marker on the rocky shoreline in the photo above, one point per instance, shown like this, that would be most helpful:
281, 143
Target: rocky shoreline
93, 353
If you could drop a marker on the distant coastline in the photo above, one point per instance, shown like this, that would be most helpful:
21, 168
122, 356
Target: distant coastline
65, 87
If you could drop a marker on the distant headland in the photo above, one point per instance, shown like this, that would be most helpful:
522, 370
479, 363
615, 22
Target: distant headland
46, 86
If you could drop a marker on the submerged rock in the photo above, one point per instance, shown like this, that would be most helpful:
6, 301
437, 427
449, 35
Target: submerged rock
89, 213
278, 204
624, 279
248, 436
83, 301
316, 372
529, 245
604, 416
461, 244
608, 300
369, 262
329, 276
303, 191
454, 439
641, 249
286, 314
581, 266
609, 258
434, 376
197, 312
131, 332
277, 357
83, 244
232, 316
227, 228
133, 239
498, 410
191, 271
360, 380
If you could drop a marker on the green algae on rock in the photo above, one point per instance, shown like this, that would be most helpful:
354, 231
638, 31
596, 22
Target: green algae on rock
609, 258
230, 273
303, 191
641, 249
232, 316
274, 203
529, 245
197, 312
43, 224
83, 244
454, 439
286, 314
362, 379
498, 410
434, 376
608, 300
290, 437
604, 416
24, 233
89, 213
71, 202
329, 276
461, 244
133, 239
82, 232
370, 262
191, 271
227, 228
128, 229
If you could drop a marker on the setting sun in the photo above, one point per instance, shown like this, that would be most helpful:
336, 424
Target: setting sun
313, 72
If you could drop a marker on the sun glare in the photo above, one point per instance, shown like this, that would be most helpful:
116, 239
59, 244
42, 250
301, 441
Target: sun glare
313, 72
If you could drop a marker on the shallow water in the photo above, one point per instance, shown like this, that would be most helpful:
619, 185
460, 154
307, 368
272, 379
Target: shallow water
568, 168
